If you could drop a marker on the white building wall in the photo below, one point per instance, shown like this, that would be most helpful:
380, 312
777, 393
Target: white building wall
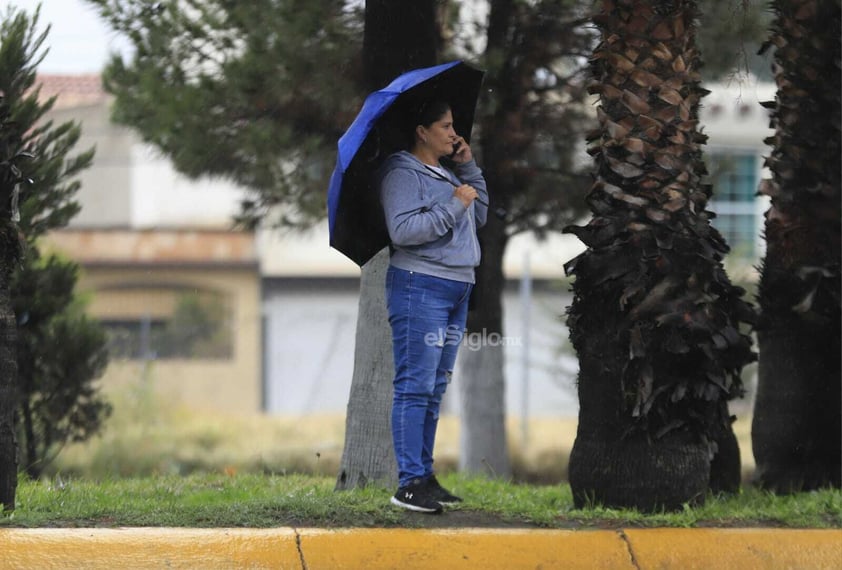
308, 254
731, 114
105, 191
131, 185
736, 123
309, 359
310, 339
162, 197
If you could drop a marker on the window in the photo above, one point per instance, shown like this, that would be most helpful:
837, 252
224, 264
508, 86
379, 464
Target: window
734, 179
198, 328
128, 338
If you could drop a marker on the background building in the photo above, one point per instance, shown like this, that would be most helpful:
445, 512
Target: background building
177, 289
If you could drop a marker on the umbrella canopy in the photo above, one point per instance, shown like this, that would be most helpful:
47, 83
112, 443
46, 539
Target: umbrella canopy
355, 216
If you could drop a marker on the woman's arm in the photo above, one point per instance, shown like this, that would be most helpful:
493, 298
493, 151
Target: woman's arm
410, 219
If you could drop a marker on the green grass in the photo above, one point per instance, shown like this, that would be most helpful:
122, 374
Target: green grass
253, 500
159, 464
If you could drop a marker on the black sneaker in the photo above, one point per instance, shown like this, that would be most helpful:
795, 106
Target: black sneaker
441, 494
417, 497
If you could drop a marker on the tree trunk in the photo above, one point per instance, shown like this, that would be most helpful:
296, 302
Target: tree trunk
483, 448
609, 467
8, 381
368, 455
398, 37
796, 428
10, 175
482, 387
28, 446
629, 473
797, 424
483, 445
10, 250
726, 465
655, 320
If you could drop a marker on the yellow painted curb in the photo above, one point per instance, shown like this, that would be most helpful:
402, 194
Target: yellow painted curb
407, 549
486, 549
138, 548
743, 549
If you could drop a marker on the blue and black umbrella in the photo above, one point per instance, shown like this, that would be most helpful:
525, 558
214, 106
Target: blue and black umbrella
355, 216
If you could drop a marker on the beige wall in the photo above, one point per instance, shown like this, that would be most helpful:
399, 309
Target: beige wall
230, 385
128, 274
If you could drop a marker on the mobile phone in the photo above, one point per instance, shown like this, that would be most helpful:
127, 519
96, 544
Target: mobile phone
456, 147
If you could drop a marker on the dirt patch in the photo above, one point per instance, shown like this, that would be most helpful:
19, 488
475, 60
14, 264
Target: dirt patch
452, 519
460, 519
472, 519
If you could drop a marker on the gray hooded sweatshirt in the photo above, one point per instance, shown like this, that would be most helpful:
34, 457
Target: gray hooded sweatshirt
431, 230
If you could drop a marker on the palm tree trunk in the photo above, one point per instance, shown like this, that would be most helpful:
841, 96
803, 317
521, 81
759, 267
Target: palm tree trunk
726, 463
607, 465
654, 319
795, 428
797, 424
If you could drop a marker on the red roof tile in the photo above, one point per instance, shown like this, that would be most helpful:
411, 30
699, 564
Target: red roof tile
72, 90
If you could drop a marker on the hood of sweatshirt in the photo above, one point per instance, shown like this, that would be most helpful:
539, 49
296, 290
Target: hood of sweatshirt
405, 159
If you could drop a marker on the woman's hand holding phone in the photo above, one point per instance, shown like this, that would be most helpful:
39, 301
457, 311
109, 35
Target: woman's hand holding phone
461, 151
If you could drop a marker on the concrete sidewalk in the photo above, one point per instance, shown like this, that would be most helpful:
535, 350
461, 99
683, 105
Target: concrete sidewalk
405, 549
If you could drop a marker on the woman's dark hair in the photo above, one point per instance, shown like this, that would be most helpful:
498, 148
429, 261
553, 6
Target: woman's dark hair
428, 112
423, 113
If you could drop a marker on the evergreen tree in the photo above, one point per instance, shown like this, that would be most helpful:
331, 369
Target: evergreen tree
729, 35
255, 92
59, 352
12, 159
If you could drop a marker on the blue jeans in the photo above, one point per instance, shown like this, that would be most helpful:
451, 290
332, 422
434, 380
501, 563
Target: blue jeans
428, 316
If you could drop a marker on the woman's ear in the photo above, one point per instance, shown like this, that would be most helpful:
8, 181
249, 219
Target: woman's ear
421, 133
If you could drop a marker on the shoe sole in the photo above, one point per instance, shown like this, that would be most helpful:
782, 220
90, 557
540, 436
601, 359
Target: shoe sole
449, 503
415, 508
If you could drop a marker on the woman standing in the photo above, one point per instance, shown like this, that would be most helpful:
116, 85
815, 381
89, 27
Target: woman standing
432, 214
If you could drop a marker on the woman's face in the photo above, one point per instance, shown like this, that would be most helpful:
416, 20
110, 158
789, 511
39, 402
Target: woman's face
439, 136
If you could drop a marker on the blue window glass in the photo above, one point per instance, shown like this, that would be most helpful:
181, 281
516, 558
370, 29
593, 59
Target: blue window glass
734, 179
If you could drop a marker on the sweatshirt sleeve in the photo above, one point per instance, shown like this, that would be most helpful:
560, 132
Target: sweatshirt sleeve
410, 219
470, 173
